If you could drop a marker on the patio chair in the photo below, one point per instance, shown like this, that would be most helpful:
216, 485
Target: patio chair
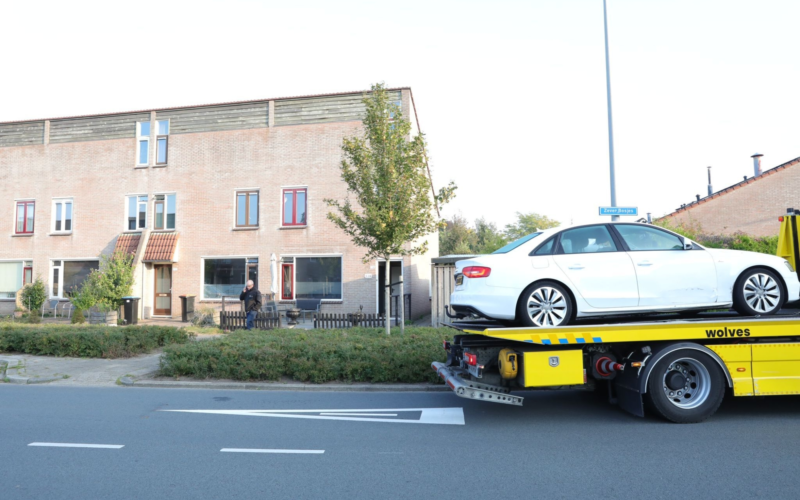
50, 305
270, 307
308, 306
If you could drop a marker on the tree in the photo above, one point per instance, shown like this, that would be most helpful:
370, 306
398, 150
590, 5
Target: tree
527, 224
113, 280
457, 238
34, 295
488, 237
386, 170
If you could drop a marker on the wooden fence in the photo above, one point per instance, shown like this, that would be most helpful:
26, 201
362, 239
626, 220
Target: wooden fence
322, 320
237, 320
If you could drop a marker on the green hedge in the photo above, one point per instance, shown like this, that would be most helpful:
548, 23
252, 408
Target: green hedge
87, 341
353, 355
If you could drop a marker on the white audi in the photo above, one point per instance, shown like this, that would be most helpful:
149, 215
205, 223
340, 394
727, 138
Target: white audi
551, 277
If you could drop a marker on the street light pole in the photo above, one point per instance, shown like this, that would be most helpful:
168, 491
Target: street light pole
610, 124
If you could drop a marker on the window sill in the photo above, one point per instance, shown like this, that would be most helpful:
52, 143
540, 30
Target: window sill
22, 235
244, 229
163, 230
293, 227
141, 167
160, 166
62, 233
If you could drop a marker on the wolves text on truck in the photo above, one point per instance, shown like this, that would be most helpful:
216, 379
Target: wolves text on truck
680, 370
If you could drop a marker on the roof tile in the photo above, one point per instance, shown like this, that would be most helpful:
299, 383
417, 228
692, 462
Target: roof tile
161, 247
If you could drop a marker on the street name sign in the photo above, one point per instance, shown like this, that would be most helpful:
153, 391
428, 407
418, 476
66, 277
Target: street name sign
619, 211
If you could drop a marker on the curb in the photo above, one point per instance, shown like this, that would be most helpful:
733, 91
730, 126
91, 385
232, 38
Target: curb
13, 379
266, 386
3, 366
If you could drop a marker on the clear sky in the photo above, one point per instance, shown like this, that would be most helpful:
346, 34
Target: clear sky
511, 94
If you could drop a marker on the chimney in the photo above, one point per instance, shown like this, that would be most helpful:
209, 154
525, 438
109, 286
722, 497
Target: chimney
698, 197
649, 219
756, 164
710, 189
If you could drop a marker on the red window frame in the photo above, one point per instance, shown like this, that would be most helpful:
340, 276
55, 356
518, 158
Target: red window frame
291, 282
25, 273
25, 228
294, 207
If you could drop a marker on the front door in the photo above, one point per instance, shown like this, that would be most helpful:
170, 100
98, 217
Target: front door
163, 291
396, 268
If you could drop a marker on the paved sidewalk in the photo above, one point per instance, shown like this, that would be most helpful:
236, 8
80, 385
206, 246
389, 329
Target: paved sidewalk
27, 369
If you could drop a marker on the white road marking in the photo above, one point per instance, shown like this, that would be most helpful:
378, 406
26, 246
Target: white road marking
339, 414
79, 445
255, 450
442, 416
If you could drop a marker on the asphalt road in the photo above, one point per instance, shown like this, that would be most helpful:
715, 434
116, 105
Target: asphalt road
559, 445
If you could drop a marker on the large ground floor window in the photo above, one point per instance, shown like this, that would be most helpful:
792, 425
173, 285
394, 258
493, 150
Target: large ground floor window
311, 278
67, 276
11, 279
224, 277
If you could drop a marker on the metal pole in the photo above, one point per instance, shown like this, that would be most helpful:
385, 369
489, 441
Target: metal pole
610, 125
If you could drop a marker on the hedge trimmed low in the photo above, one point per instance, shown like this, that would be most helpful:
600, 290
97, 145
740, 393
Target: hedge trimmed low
87, 341
352, 355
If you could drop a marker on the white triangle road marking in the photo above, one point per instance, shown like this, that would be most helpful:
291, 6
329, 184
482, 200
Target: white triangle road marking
442, 416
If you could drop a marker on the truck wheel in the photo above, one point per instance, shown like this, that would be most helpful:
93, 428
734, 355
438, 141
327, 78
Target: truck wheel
686, 386
545, 303
758, 292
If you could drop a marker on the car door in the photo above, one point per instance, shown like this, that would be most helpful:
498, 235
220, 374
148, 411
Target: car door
602, 273
668, 274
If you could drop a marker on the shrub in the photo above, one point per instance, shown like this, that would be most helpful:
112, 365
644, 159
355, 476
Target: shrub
78, 317
87, 341
736, 241
34, 318
34, 295
353, 355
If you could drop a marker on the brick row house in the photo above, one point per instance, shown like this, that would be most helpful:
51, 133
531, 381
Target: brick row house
204, 197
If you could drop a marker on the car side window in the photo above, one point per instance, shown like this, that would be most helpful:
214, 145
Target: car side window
591, 239
546, 248
644, 238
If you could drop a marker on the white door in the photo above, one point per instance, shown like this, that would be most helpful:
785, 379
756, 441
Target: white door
668, 275
602, 273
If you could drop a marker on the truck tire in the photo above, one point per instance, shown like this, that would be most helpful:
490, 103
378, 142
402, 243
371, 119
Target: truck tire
686, 386
758, 292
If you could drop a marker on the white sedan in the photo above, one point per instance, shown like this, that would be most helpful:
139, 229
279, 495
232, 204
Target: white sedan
551, 277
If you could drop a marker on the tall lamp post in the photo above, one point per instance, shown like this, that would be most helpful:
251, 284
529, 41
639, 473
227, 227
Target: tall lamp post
610, 124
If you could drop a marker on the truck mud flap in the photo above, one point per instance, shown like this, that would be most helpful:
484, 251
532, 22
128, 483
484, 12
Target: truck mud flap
470, 389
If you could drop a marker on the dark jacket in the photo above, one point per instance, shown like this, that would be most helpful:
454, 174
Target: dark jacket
252, 299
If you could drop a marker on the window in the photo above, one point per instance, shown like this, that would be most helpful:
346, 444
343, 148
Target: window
546, 248
62, 216
591, 239
11, 276
164, 213
67, 276
643, 238
143, 143
247, 209
223, 277
294, 207
516, 243
24, 217
27, 273
136, 213
311, 278
161, 141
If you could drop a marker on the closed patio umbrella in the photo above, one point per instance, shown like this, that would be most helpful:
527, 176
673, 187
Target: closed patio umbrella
273, 271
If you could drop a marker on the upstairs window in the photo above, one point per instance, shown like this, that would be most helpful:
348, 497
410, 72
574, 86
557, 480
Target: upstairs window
136, 213
247, 209
143, 143
62, 216
164, 213
294, 207
162, 141
25, 212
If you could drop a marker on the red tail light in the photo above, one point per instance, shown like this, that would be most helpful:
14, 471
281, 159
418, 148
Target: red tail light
477, 272
780, 219
472, 359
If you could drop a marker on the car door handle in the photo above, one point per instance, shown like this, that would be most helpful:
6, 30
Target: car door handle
644, 263
576, 266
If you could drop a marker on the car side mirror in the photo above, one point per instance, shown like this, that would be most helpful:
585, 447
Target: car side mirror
687, 245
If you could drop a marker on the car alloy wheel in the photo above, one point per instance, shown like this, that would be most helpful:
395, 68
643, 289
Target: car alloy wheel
762, 293
546, 306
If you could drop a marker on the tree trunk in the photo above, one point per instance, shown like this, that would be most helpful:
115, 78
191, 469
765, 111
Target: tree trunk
387, 294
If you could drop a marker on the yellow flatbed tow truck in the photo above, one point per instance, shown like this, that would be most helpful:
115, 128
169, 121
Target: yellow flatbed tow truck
678, 369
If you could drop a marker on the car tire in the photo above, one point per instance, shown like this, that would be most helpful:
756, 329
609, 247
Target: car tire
758, 292
686, 386
545, 303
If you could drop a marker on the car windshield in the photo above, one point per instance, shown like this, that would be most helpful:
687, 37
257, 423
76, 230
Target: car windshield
514, 244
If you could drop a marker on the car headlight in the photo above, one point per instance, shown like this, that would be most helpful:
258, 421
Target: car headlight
791, 269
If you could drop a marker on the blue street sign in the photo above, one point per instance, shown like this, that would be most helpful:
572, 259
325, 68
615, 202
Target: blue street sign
619, 211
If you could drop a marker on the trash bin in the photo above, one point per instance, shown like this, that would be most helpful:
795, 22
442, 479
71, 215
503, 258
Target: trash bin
187, 306
130, 310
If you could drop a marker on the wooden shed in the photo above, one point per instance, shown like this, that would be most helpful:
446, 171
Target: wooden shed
442, 284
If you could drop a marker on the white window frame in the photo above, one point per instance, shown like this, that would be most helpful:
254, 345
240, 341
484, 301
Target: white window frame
22, 277
143, 138
63, 201
165, 195
138, 228
60, 295
203, 271
379, 286
157, 135
294, 258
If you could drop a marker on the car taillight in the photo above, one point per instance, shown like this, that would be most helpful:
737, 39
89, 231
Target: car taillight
446, 345
477, 272
472, 359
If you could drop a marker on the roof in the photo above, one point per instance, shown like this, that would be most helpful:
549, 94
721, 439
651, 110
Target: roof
351, 92
734, 187
161, 247
128, 243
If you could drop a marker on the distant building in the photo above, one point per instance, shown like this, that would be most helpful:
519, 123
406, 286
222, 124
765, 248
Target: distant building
751, 206
202, 196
